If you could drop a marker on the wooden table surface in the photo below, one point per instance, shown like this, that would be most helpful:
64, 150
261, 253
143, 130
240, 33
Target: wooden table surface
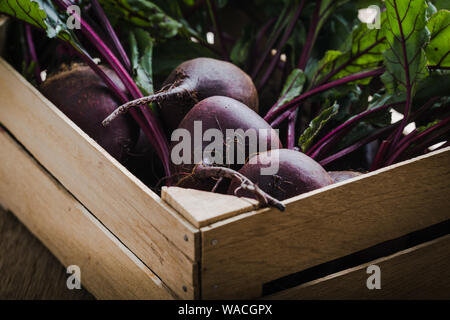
28, 270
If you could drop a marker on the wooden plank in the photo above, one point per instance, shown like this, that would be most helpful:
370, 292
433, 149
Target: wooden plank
158, 235
202, 208
421, 272
323, 225
29, 271
108, 269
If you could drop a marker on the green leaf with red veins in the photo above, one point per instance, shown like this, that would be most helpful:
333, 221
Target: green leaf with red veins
406, 35
141, 45
292, 88
43, 15
438, 50
327, 8
363, 50
316, 125
144, 14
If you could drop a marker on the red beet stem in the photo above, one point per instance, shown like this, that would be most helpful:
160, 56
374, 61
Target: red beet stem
154, 125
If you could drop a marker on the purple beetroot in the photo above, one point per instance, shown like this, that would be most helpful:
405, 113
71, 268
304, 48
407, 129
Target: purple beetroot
193, 81
82, 96
221, 114
297, 173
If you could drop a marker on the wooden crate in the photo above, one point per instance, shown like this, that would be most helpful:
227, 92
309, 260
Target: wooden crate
187, 244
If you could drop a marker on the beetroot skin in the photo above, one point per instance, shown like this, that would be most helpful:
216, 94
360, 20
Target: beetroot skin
297, 174
193, 81
203, 78
82, 96
223, 113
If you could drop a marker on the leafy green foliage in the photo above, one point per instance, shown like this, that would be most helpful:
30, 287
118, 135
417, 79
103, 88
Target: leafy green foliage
435, 85
429, 125
189, 2
31, 12
438, 50
370, 124
380, 119
141, 45
143, 14
293, 87
327, 8
43, 15
442, 4
361, 51
28, 71
316, 125
406, 35
162, 34
365, 3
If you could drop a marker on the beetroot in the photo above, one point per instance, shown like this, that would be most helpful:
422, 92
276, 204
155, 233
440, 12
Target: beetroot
220, 113
297, 173
193, 81
339, 176
82, 96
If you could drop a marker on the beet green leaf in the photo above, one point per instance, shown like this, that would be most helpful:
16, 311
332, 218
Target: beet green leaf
438, 50
292, 88
43, 15
316, 125
362, 51
141, 45
406, 35
144, 14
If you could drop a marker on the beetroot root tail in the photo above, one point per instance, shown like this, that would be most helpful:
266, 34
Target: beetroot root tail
143, 101
204, 171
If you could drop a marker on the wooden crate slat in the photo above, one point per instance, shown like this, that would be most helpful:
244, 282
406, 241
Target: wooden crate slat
135, 214
323, 225
421, 272
108, 269
202, 208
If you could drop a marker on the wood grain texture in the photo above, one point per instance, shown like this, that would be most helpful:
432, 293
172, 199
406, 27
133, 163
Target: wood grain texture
202, 208
421, 272
163, 239
28, 269
323, 225
108, 269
